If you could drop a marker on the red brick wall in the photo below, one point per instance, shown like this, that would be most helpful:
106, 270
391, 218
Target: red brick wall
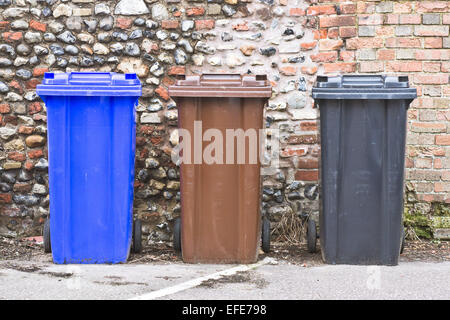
400, 37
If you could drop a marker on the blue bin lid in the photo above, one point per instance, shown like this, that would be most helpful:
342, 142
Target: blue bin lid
89, 84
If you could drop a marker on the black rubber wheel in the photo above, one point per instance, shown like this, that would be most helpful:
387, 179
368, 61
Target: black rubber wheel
311, 236
402, 245
265, 235
46, 236
177, 235
137, 236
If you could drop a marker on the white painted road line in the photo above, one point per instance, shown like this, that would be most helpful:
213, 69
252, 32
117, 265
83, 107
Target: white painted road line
198, 281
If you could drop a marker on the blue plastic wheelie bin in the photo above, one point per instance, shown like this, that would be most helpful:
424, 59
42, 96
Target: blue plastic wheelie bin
91, 147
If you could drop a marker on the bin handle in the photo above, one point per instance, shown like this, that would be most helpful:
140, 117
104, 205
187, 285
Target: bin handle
214, 79
90, 78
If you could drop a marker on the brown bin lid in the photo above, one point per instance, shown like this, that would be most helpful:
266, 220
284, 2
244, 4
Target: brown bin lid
221, 85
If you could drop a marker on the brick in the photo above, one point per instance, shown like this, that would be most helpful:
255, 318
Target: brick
321, 10
5, 198
333, 33
170, 24
38, 72
372, 19
402, 31
384, 31
329, 44
308, 45
437, 163
347, 8
293, 151
407, 66
347, 56
337, 21
441, 103
446, 175
123, 23
4, 25
17, 156
391, 19
423, 174
241, 26
402, 7
432, 6
432, 54
35, 153
162, 92
26, 130
22, 187
433, 43
307, 163
358, 43
365, 7
443, 140
432, 66
5, 108
195, 11
34, 107
213, 9
405, 54
309, 70
446, 18
204, 24
445, 67
12, 36
307, 175
366, 54
384, 7
296, 12
347, 32
431, 31
32, 83
339, 67
423, 163
428, 127
403, 43
288, 70
325, 56
441, 187
81, 12
446, 43
303, 139
174, 70
372, 66
366, 31
308, 126
410, 19
386, 54
38, 26
431, 18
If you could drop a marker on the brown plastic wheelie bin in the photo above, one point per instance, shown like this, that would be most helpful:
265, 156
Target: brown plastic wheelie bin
220, 201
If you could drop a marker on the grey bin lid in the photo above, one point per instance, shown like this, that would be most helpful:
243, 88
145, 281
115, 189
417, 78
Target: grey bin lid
363, 87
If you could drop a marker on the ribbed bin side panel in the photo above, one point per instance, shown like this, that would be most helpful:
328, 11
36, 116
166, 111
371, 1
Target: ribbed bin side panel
220, 203
91, 173
363, 147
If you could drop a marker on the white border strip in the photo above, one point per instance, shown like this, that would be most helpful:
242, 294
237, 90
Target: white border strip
198, 281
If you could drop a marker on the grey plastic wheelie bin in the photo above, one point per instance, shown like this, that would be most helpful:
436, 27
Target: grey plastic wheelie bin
363, 132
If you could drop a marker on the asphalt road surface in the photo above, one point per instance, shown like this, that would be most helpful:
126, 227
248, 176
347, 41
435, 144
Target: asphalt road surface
267, 279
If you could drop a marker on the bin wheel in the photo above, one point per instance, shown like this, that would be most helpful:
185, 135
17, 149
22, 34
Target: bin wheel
137, 236
177, 235
46, 236
402, 245
311, 235
265, 235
